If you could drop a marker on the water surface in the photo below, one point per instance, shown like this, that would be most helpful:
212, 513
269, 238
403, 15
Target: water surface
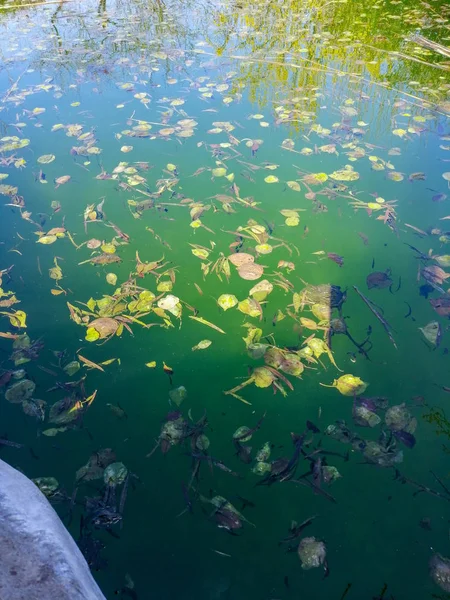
214, 98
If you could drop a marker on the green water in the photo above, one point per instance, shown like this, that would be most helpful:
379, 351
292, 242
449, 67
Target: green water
316, 74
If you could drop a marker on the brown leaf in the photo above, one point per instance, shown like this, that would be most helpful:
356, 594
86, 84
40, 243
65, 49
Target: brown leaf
250, 271
89, 363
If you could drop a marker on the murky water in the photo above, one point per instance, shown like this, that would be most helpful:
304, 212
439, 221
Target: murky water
312, 136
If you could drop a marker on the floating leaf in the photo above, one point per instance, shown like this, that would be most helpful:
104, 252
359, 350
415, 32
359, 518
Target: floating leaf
45, 159
250, 271
200, 253
108, 248
263, 377
399, 132
111, 278
62, 180
219, 172
271, 179
349, 385
17, 319
263, 248
164, 286
47, 239
261, 290
250, 307
105, 326
169, 302
241, 258
316, 178
347, 174
395, 176
151, 364
292, 221
8, 190
227, 301
93, 244
91, 335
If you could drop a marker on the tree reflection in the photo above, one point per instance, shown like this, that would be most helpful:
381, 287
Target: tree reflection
294, 48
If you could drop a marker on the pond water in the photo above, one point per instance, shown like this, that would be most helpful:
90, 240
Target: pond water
157, 156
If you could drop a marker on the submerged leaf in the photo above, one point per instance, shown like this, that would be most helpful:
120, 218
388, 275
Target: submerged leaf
202, 345
432, 332
45, 159
378, 280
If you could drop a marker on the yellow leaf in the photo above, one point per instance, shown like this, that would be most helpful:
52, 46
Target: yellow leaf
271, 179
108, 248
263, 248
111, 278
293, 185
347, 174
200, 253
208, 323
151, 365
91, 334
18, 319
47, 239
263, 377
56, 292
227, 301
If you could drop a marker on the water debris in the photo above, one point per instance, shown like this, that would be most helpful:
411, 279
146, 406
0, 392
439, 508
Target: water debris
208, 323
440, 571
380, 318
